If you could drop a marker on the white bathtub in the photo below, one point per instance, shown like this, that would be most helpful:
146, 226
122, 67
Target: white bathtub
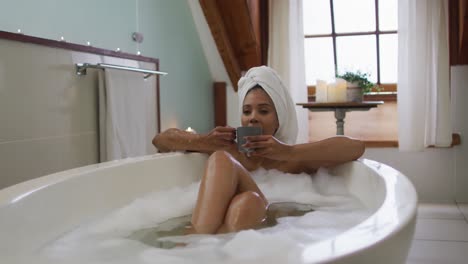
39, 211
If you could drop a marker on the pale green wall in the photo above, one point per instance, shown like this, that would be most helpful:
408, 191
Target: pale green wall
169, 34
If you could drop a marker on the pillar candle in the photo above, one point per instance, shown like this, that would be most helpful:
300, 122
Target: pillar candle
331, 92
340, 90
321, 92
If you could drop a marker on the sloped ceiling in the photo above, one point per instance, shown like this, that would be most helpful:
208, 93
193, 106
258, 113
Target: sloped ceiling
240, 30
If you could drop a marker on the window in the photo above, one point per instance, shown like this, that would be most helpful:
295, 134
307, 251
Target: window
342, 35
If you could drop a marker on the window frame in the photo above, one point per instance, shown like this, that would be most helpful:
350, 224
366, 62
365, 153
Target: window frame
389, 89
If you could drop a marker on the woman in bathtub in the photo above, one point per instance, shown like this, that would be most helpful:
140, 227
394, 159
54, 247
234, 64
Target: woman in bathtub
229, 200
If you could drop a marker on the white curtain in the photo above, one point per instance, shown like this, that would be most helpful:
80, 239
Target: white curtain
423, 75
286, 54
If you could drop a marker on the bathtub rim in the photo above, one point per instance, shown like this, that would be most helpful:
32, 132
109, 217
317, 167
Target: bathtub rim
19, 191
15, 193
361, 245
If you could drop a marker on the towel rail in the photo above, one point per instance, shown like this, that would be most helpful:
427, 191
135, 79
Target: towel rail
81, 69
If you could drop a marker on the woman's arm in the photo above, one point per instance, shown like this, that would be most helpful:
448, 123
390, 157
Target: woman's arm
328, 152
175, 139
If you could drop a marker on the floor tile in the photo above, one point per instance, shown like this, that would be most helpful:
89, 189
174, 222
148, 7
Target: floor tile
438, 252
441, 229
439, 211
464, 209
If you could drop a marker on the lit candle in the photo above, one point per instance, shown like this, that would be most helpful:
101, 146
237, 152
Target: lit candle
189, 129
321, 92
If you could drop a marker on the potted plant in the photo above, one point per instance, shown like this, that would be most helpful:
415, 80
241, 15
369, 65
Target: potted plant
358, 84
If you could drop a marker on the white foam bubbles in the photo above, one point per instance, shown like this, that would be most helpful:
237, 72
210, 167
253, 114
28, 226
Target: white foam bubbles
106, 240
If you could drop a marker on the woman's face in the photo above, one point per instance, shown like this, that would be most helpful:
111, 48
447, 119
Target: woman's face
258, 110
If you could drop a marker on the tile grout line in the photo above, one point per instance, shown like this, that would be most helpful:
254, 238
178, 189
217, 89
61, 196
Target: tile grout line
438, 218
454, 203
48, 138
440, 240
461, 212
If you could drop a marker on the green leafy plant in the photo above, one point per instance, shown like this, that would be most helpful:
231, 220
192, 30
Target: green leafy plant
361, 79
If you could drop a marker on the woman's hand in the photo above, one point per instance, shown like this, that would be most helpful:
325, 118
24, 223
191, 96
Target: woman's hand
220, 138
268, 146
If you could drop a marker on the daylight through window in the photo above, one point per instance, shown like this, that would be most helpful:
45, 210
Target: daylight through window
343, 35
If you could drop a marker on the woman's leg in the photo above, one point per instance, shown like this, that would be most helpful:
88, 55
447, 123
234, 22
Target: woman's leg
247, 210
228, 197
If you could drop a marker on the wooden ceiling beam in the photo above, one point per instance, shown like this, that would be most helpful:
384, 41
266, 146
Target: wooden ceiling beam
237, 20
458, 32
218, 30
239, 28
463, 18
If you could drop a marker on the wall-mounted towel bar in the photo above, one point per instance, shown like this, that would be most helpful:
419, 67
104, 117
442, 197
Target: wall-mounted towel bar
81, 69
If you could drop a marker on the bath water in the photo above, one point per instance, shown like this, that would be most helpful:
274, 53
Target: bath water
161, 235
149, 229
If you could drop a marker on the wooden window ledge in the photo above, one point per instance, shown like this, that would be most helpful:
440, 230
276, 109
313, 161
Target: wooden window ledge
456, 140
371, 97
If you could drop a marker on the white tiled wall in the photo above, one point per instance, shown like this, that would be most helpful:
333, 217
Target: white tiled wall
48, 114
432, 171
439, 174
459, 80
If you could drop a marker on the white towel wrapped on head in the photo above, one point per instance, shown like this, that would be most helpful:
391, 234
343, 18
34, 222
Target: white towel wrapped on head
269, 80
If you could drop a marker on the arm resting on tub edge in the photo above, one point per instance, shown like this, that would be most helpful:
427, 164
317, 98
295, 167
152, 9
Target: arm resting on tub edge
328, 152
175, 139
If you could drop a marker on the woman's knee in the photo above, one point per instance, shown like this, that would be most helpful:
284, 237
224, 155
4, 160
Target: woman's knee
221, 160
220, 156
246, 210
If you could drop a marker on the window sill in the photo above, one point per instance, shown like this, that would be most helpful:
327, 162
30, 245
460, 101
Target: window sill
386, 97
381, 143
377, 128
456, 140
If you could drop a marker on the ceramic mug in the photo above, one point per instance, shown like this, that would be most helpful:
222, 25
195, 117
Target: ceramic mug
243, 132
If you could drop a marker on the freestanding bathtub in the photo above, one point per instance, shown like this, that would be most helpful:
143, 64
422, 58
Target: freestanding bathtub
38, 211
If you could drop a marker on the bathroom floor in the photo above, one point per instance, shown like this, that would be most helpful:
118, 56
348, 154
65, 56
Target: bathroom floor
441, 235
